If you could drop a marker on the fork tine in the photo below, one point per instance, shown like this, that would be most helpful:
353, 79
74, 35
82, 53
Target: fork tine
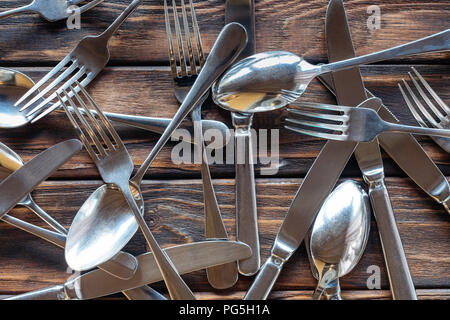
328, 136
47, 77
181, 53
81, 134
96, 123
52, 85
66, 85
56, 105
102, 117
411, 108
419, 105
432, 92
321, 125
427, 100
192, 66
201, 55
173, 64
331, 117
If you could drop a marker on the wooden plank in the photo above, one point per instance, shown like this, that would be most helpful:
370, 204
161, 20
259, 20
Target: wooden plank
148, 91
296, 26
175, 214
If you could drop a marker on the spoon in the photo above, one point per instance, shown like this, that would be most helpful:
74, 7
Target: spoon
14, 84
10, 162
338, 236
271, 80
105, 222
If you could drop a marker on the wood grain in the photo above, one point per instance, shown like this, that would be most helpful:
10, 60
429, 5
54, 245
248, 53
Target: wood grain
295, 26
148, 91
174, 211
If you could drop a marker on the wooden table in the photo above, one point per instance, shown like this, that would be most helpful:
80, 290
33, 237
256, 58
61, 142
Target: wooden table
137, 81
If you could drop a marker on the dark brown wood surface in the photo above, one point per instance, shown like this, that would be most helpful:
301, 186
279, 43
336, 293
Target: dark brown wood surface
137, 81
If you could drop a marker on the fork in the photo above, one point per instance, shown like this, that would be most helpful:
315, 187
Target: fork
82, 64
184, 76
431, 116
52, 10
115, 166
344, 123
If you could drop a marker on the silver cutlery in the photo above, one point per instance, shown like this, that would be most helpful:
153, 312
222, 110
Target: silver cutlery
243, 12
82, 64
13, 84
429, 115
345, 123
338, 237
22, 181
10, 162
122, 266
316, 186
350, 90
271, 80
187, 258
184, 73
51, 10
106, 212
404, 149
116, 167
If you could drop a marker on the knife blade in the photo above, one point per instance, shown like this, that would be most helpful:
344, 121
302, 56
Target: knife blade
186, 258
350, 90
21, 182
243, 12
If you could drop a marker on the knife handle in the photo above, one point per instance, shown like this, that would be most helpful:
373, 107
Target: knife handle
246, 210
266, 278
51, 293
402, 286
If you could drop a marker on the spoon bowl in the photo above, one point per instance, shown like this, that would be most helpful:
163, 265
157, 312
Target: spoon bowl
13, 84
93, 234
263, 82
340, 232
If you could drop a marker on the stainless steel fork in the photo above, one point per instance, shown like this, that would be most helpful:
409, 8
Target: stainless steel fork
433, 116
83, 64
51, 10
115, 166
347, 123
184, 75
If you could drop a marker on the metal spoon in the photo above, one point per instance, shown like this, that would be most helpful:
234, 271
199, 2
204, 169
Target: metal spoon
338, 237
105, 223
271, 80
14, 84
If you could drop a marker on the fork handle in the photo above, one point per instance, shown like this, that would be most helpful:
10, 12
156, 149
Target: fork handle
177, 288
416, 130
107, 34
8, 13
436, 42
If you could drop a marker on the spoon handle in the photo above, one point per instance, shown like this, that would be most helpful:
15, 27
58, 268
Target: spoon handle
229, 44
436, 42
8, 13
46, 217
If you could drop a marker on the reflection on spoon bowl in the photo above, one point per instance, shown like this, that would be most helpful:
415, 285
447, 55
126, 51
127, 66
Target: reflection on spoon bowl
13, 85
94, 234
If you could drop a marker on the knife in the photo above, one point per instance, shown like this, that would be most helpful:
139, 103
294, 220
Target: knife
186, 258
350, 90
243, 12
21, 182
